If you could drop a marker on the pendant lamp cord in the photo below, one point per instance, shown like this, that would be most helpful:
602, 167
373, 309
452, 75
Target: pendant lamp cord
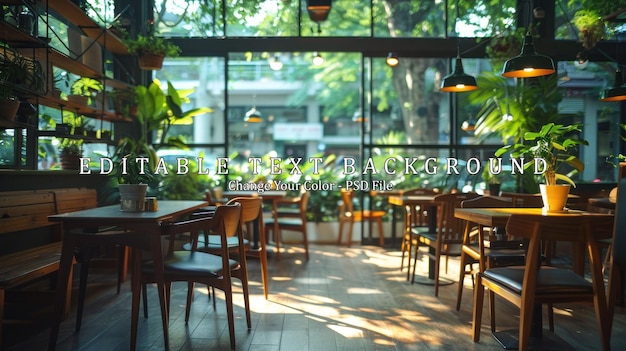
458, 37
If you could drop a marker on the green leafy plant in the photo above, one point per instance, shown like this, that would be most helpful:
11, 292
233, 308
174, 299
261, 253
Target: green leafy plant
70, 148
86, 86
591, 27
555, 144
151, 44
136, 170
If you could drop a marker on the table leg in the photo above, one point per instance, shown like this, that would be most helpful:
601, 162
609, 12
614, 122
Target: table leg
63, 289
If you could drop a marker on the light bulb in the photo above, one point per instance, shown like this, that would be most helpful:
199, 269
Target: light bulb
318, 59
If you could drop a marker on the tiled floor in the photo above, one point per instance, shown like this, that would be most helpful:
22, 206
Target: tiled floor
342, 299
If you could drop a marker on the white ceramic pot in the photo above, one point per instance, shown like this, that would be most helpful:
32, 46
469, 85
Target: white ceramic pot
133, 197
554, 196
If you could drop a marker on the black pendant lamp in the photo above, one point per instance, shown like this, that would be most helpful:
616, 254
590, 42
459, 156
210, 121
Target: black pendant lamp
528, 63
458, 81
617, 92
253, 116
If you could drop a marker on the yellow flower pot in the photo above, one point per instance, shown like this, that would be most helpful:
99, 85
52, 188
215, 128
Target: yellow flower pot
554, 197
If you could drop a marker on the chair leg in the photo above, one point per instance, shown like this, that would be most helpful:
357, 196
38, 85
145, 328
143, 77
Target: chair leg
350, 231
492, 309
306, 241
551, 317
122, 266
459, 294
1, 312
82, 288
340, 235
230, 313
437, 269
414, 264
479, 297
144, 290
190, 287
136, 291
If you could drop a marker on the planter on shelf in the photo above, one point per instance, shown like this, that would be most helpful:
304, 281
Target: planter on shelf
554, 196
91, 134
105, 135
63, 128
78, 99
133, 197
79, 131
8, 108
151, 62
70, 155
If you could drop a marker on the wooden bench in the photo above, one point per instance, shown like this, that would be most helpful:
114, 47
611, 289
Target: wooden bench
37, 253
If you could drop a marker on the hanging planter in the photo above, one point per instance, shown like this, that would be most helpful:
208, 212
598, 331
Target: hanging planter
151, 62
151, 50
591, 28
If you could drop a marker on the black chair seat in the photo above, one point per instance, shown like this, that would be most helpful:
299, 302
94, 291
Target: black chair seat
184, 263
215, 243
550, 280
285, 222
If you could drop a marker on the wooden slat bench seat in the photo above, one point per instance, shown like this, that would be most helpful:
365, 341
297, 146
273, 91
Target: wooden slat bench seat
35, 243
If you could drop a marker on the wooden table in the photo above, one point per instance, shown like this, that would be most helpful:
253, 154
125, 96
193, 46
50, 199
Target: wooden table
144, 230
498, 217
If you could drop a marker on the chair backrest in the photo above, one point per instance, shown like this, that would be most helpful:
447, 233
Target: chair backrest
421, 191
449, 228
486, 202
524, 200
304, 201
251, 208
225, 222
619, 230
347, 207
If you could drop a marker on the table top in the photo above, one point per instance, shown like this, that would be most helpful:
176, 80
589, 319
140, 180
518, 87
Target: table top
166, 209
268, 194
496, 217
411, 199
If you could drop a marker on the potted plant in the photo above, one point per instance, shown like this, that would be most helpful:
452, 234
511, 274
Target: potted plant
83, 90
591, 27
10, 69
492, 180
552, 147
70, 153
134, 175
151, 50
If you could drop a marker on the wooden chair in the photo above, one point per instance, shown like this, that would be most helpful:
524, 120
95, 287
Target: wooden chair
347, 214
295, 223
251, 215
447, 240
195, 266
534, 284
523, 199
473, 250
617, 262
414, 216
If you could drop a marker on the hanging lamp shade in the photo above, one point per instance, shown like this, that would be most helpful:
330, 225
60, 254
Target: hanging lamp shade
458, 81
617, 92
528, 63
318, 9
253, 116
392, 59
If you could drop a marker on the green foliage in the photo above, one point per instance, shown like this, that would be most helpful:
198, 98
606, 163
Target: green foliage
151, 44
135, 169
591, 27
70, 147
86, 86
18, 71
554, 143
